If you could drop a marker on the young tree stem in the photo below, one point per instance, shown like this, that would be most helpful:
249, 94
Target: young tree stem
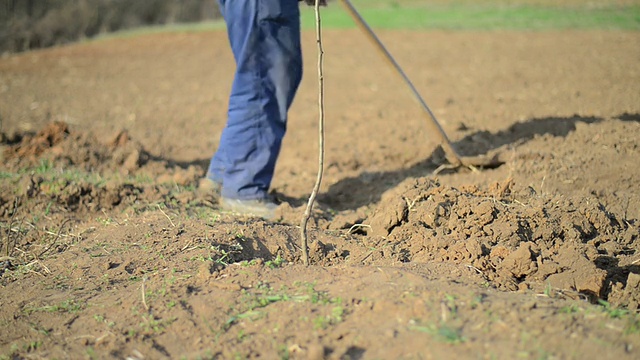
316, 188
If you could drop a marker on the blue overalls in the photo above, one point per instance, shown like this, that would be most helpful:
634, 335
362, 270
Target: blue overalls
265, 40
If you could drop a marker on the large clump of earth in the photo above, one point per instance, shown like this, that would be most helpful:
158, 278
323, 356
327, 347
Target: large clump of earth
58, 167
516, 239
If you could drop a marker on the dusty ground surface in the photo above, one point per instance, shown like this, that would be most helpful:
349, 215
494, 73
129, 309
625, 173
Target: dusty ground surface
111, 249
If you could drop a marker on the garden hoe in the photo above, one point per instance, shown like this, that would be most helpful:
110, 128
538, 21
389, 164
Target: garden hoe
452, 156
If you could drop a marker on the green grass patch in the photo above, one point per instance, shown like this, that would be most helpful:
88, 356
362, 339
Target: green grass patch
442, 332
454, 15
253, 303
54, 175
8, 175
275, 263
478, 17
67, 306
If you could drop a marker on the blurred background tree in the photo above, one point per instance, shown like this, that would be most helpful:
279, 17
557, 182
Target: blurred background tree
31, 24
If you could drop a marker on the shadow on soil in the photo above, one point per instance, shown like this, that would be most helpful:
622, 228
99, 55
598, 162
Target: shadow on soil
368, 187
629, 117
352, 193
616, 274
173, 164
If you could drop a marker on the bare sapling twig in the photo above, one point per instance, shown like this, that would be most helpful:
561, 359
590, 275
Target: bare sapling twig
316, 188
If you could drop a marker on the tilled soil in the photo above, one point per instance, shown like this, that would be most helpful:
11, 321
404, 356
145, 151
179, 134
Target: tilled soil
112, 248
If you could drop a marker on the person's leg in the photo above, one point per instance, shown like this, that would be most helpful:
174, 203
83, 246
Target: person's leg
265, 40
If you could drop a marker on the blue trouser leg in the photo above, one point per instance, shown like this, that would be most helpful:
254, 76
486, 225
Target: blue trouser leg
265, 40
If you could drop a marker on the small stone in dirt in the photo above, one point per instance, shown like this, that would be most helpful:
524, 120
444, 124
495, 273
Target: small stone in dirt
121, 138
317, 251
204, 271
523, 287
315, 351
29, 186
528, 305
631, 294
498, 253
587, 280
519, 263
388, 216
132, 162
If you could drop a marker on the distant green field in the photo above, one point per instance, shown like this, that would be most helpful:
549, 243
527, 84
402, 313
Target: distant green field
456, 15
480, 15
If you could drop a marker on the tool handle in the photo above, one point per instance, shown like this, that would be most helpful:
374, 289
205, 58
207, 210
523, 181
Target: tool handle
450, 152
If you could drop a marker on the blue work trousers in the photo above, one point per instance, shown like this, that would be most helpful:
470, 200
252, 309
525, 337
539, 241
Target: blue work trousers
265, 41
